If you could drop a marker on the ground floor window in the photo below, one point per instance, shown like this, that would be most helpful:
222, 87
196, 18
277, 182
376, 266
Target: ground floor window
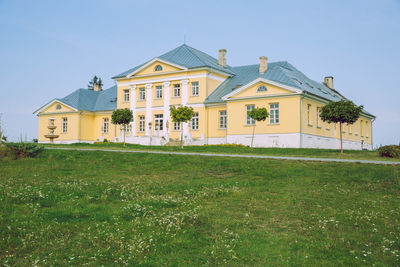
64, 125
142, 123
158, 122
249, 120
222, 119
195, 121
177, 126
105, 125
274, 113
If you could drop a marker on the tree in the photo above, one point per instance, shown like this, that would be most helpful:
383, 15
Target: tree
122, 117
180, 115
93, 81
258, 114
3, 138
343, 111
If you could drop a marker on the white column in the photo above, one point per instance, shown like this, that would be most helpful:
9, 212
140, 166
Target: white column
149, 98
133, 108
185, 95
166, 108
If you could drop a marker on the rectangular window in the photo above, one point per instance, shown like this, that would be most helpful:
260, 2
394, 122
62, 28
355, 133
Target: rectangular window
222, 119
249, 120
366, 128
195, 88
105, 125
318, 118
142, 94
177, 90
158, 91
195, 121
126, 95
51, 122
350, 128
142, 123
361, 128
309, 119
64, 125
158, 122
177, 126
274, 113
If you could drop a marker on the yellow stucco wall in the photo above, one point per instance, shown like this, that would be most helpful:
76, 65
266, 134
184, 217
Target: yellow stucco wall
72, 126
287, 122
214, 121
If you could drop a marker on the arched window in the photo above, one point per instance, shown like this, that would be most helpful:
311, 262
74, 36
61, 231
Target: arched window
262, 88
58, 107
158, 68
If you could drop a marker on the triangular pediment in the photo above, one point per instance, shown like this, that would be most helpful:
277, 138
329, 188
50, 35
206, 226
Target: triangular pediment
55, 106
156, 66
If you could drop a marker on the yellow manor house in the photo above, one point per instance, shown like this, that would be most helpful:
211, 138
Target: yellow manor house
221, 97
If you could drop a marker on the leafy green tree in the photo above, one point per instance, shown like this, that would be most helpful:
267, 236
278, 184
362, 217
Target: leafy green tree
343, 111
93, 81
122, 117
180, 115
258, 114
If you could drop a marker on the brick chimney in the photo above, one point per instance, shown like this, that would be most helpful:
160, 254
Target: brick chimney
328, 81
222, 57
263, 64
97, 86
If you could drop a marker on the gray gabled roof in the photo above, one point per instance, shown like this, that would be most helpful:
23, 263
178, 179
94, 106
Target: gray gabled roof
185, 56
89, 100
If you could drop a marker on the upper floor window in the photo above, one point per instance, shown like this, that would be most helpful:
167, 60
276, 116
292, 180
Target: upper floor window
222, 119
64, 125
309, 114
274, 113
158, 68
58, 107
366, 128
159, 91
142, 94
177, 90
262, 88
142, 123
361, 128
249, 120
195, 88
126, 95
195, 121
105, 125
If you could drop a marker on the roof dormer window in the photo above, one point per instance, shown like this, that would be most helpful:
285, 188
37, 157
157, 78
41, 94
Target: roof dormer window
158, 68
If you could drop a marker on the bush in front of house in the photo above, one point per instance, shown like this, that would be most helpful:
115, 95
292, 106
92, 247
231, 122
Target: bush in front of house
22, 150
391, 151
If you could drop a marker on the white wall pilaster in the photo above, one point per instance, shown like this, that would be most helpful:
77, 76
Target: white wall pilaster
133, 108
149, 98
166, 107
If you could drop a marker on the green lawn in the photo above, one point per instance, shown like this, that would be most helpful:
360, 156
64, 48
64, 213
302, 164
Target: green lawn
101, 208
229, 149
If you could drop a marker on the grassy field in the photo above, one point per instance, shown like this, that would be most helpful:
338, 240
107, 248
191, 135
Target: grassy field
99, 208
229, 149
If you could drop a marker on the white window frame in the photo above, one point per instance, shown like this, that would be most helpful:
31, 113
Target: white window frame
249, 120
126, 95
160, 119
262, 88
142, 94
158, 67
104, 128
195, 88
64, 125
274, 113
159, 92
309, 119
177, 90
318, 119
361, 128
223, 119
195, 121
142, 123
176, 126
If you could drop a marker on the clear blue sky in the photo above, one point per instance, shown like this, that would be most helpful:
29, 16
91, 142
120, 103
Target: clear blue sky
50, 48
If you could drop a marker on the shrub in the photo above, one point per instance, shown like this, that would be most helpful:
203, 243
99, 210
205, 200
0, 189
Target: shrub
23, 149
391, 151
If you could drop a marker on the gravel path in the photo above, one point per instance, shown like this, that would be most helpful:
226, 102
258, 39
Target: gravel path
235, 155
